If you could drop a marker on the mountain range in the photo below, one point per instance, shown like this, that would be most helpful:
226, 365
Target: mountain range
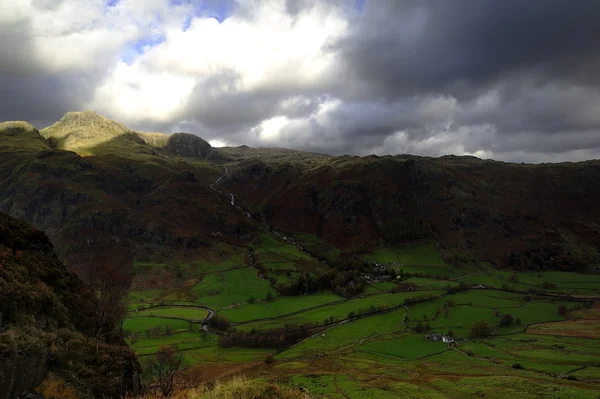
105, 193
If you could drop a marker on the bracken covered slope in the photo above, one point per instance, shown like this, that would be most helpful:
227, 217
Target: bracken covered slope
123, 195
48, 326
517, 215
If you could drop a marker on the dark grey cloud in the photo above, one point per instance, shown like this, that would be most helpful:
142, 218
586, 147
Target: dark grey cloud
432, 46
27, 92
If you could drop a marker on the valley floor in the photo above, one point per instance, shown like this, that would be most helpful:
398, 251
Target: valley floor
374, 345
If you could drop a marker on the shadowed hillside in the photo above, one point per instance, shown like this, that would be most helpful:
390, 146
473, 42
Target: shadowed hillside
127, 200
48, 324
129, 195
523, 216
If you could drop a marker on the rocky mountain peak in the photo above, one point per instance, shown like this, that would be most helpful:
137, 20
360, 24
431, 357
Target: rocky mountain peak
88, 120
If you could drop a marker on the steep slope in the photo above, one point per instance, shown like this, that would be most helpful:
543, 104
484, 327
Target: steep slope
48, 325
523, 216
126, 200
126, 195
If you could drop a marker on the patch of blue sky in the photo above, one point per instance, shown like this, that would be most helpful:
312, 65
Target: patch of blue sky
131, 52
359, 5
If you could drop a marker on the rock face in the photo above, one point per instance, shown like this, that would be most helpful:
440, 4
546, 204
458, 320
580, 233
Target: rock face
187, 145
48, 324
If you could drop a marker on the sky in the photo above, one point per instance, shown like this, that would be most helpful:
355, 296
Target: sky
510, 80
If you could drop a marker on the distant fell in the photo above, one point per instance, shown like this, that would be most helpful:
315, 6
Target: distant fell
84, 122
89, 133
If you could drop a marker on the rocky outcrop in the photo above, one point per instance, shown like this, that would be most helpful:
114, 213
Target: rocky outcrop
187, 145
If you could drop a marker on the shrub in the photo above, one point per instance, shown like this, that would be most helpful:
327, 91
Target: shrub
562, 310
506, 320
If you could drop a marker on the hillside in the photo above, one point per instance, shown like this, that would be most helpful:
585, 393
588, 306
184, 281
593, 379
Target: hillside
130, 199
92, 183
314, 273
48, 325
515, 215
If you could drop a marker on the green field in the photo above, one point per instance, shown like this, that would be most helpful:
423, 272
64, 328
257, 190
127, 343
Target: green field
283, 260
142, 324
188, 313
416, 255
231, 287
278, 307
339, 311
411, 347
380, 354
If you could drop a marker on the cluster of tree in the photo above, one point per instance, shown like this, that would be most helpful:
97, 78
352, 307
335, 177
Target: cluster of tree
508, 320
156, 331
369, 310
278, 338
399, 230
268, 297
346, 261
480, 329
420, 327
552, 257
218, 322
458, 288
417, 299
402, 287
346, 283
423, 275
339, 260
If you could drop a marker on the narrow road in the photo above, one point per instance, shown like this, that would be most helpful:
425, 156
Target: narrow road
211, 313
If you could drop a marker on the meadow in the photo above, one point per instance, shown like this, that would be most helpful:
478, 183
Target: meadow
374, 344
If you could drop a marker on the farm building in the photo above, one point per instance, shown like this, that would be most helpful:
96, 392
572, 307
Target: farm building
434, 337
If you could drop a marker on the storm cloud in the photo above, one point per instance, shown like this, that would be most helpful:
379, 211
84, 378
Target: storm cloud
510, 80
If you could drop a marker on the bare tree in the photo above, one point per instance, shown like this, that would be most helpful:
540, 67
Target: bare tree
163, 369
110, 284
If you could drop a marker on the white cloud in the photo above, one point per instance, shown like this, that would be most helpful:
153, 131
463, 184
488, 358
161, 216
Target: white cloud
271, 51
270, 129
135, 94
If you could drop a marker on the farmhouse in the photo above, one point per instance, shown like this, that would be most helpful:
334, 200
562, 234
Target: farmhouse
447, 339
